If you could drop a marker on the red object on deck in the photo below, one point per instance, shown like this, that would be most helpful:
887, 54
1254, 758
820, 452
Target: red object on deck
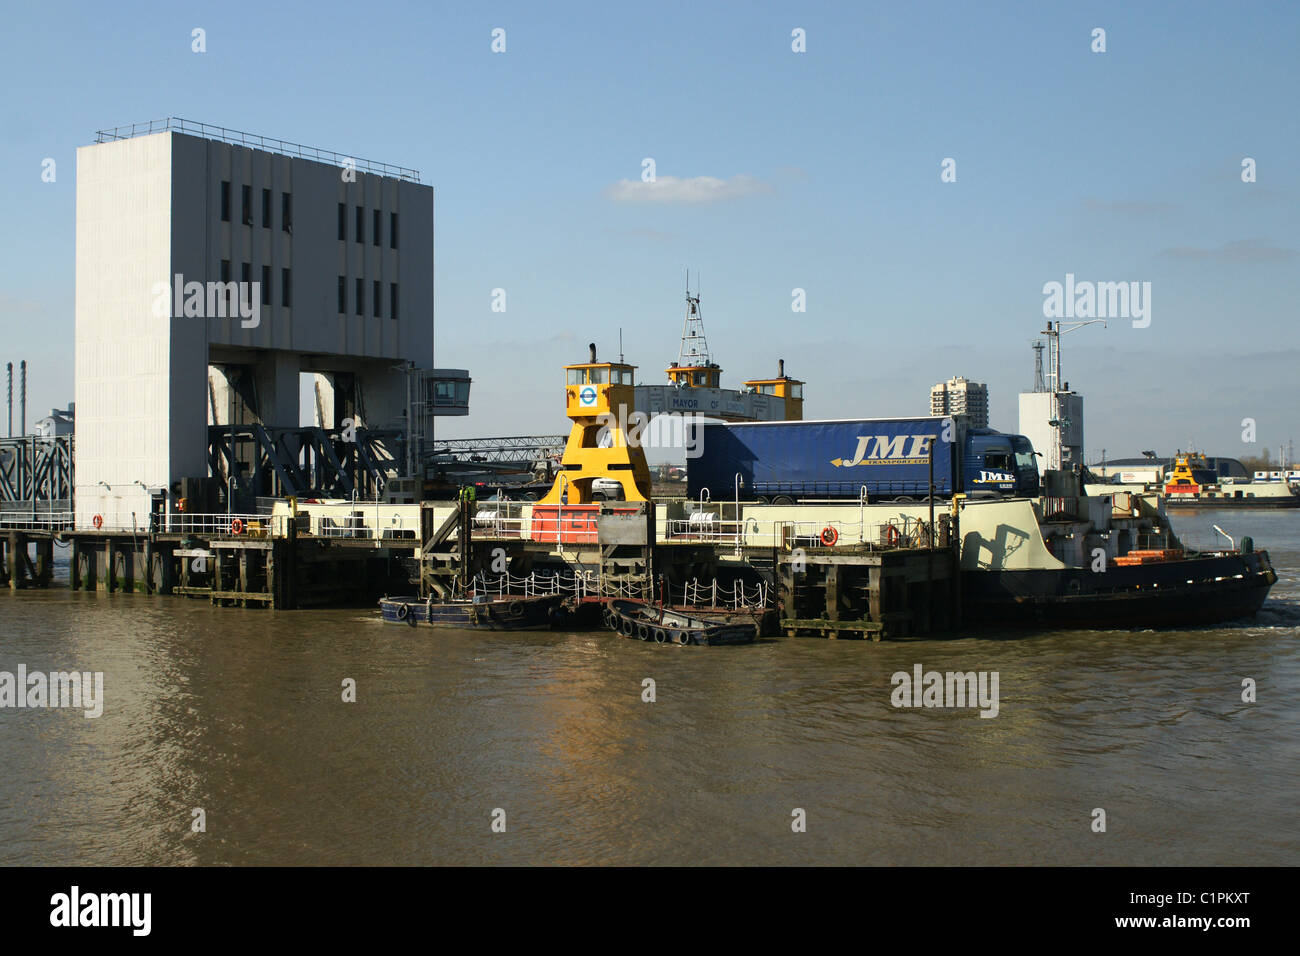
572, 524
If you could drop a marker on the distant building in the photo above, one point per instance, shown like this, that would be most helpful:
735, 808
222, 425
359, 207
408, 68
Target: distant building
1053, 423
58, 422
960, 396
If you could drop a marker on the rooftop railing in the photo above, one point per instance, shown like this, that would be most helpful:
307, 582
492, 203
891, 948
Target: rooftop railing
251, 140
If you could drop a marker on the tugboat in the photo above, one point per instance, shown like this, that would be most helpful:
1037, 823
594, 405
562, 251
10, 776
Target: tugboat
486, 612
1102, 561
645, 622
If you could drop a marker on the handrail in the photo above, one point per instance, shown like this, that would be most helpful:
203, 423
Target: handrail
239, 138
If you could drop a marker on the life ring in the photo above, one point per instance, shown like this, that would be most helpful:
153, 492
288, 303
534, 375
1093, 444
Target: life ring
643, 632
515, 608
626, 626
403, 610
98, 521
892, 535
829, 536
237, 526
661, 636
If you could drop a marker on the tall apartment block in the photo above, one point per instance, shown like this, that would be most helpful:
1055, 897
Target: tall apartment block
959, 396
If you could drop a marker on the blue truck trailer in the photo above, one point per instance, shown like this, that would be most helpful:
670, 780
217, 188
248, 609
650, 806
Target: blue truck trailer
784, 462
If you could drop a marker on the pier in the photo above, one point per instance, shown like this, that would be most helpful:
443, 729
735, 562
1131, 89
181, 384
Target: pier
880, 579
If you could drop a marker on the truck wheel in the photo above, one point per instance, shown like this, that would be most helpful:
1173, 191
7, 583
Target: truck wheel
782, 500
905, 499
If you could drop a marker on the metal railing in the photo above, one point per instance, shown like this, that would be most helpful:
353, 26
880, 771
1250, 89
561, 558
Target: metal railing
900, 532
239, 138
36, 520
189, 523
368, 522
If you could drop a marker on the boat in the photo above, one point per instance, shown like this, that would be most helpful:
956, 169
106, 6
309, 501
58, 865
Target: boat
1142, 589
665, 625
486, 612
1193, 482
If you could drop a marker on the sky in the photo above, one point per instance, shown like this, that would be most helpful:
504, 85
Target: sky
775, 170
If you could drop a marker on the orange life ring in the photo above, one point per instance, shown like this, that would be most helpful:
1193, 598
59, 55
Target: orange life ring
892, 536
236, 527
98, 521
829, 536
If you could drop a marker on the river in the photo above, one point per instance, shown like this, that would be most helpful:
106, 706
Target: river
240, 714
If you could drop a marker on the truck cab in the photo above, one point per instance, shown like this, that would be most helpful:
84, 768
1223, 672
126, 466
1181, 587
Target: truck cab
999, 464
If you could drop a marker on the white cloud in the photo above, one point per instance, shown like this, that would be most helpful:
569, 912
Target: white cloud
697, 189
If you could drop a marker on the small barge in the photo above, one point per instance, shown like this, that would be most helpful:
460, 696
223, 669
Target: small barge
504, 613
645, 622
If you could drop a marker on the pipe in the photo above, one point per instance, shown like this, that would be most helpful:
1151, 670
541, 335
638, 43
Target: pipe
780, 368
9, 368
23, 395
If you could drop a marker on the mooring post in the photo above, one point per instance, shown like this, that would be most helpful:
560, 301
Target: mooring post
110, 567
15, 561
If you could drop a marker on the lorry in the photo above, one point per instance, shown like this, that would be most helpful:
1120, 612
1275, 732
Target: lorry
883, 458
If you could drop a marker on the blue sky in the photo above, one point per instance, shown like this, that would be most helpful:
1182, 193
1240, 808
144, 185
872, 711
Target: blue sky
1115, 166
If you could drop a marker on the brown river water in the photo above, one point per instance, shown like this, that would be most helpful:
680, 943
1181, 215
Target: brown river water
240, 713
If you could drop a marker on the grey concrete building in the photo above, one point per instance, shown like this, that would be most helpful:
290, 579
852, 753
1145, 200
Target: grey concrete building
333, 261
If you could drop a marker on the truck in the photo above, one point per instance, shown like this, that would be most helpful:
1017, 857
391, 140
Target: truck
883, 458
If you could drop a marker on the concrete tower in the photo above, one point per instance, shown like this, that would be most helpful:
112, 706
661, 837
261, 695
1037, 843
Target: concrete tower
331, 265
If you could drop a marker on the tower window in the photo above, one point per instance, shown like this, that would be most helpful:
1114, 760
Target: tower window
343, 294
343, 220
286, 213
361, 224
246, 204
392, 233
378, 294
286, 286
225, 200
377, 223
361, 297
266, 209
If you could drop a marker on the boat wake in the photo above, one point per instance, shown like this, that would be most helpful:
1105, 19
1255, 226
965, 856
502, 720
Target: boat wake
1278, 614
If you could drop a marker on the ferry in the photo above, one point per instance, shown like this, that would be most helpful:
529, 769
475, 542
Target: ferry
1191, 484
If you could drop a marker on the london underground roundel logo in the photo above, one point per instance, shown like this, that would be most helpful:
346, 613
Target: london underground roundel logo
587, 396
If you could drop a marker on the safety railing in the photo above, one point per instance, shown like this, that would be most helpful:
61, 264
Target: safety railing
253, 141
578, 584
735, 596
188, 523
366, 523
900, 532
36, 521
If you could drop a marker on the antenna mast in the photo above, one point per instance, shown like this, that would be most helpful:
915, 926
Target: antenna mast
695, 347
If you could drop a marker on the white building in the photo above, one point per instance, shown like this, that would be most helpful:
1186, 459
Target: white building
57, 423
344, 271
1053, 423
960, 396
